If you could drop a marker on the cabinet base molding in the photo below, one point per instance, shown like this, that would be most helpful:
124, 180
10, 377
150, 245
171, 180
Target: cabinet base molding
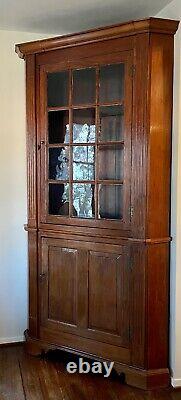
140, 378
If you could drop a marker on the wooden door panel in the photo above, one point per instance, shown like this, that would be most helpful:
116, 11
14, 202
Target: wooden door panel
62, 285
109, 295
86, 290
103, 291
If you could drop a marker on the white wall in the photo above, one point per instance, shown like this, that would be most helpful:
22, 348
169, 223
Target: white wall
13, 241
173, 11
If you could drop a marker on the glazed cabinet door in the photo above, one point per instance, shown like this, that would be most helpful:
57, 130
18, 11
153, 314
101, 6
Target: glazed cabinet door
84, 291
84, 128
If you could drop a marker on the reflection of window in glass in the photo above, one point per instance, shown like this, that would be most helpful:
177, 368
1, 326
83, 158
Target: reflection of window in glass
84, 86
110, 201
110, 165
83, 200
111, 123
111, 83
59, 163
83, 162
57, 87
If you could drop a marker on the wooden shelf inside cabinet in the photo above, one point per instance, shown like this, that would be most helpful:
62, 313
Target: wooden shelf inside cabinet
100, 144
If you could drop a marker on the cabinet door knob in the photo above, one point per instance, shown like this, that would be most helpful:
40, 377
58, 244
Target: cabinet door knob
42, 142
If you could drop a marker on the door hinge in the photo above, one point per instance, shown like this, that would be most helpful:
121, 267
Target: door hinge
131, 211
133, 71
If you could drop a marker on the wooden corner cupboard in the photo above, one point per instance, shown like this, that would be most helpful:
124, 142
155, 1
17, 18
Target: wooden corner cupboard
99, 107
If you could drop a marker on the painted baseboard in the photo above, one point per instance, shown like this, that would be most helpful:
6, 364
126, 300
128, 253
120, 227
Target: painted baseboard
12, 339
176, 382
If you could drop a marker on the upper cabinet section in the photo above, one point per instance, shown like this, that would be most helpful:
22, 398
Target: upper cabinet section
95, 127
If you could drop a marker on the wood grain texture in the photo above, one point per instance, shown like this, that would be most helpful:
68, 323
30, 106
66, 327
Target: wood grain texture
23, 377
159, 136
62, 279
138, 304
80, 272
137, 377
10, 375
100, 287
33, 282
31, 141
157, 306
95, 35
139, 135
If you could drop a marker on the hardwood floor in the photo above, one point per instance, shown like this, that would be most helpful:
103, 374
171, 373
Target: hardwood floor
23, 377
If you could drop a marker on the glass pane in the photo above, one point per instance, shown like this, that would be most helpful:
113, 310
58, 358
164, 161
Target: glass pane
59, 163
59, 199
111, 83
111, 123
83, 200
84, 86
58, 127
111, 162
58, 89
111, 201
84, 125
83, 163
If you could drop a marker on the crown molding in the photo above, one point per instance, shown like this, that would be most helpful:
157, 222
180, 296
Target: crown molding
156, 25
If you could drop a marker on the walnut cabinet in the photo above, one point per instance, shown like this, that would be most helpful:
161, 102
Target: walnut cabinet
99, 109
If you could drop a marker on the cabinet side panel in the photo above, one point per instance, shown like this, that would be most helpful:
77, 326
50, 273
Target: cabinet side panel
33, 278
31, 140
138, 304
159, 146
157, 305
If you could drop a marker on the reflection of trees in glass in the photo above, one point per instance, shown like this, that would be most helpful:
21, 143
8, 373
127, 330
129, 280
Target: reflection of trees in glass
62, 165
83, 163
83, 200
65, 196
66, 139
83, 133
83, 169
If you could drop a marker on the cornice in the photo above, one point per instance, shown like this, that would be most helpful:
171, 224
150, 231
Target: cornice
154, 25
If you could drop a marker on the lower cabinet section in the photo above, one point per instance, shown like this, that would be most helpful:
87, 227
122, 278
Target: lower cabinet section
85, 298
101, 300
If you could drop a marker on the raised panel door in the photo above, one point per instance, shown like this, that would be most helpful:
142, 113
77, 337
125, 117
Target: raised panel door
84, 291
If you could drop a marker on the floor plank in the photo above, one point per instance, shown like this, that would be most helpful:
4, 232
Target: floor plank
11, 387
29, 368
23, 377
